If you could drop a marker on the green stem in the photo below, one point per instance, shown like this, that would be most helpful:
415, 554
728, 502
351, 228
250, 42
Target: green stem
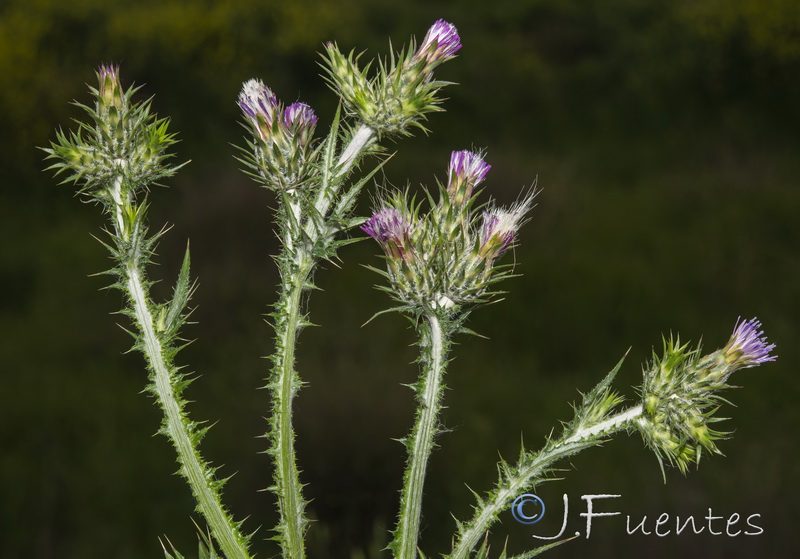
284, 384
177, 425
529, 471
434, 346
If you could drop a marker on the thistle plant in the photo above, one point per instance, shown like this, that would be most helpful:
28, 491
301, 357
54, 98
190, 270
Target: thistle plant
444, 258
114, 158
439, 266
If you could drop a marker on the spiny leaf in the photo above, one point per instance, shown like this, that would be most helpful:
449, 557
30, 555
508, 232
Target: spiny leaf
181, 295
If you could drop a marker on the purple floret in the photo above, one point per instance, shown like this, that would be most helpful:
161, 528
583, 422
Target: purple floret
300, 114
445, 37
749, 341
109, 70
499, 229
468, 166
257, 99
386, 224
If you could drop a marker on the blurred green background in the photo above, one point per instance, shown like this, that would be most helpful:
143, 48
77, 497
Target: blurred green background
665, 137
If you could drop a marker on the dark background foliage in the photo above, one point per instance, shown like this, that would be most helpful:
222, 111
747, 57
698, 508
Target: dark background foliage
664, 135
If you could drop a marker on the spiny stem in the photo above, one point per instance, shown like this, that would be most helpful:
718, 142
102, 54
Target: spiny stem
434, 348
194, 469
610, 425
529, 471
475, 531
284, 385
284, 382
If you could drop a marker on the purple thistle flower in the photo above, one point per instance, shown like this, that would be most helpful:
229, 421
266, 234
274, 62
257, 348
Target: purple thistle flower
500, 226
256, 99
299, 114
467, 170
391, 229
300, 119
468, 166
498, 231
441, 43
748, 346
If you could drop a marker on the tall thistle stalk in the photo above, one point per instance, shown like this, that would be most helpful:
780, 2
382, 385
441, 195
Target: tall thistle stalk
315, 194
440, 265
114, 159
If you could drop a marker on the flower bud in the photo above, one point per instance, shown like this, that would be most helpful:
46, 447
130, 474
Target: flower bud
110, 91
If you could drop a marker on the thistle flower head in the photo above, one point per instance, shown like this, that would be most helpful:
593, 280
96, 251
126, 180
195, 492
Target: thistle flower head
301, 119
126, 144
748, 346
440, 44
467, 170
299, 114
259, 104
498, 231
680, 393
257, 99
500, 226
403, 91
392, 230
283, 136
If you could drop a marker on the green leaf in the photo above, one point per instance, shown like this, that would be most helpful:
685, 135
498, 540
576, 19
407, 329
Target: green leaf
181, 295
329, 162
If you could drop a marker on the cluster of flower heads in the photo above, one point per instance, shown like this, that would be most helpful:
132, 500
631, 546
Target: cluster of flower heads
125, 144
446, 258
679, 392
403, 89
282, 150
